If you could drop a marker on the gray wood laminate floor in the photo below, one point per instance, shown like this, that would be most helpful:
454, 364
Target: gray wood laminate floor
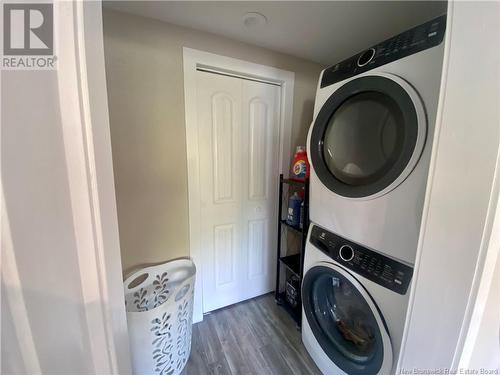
251, 337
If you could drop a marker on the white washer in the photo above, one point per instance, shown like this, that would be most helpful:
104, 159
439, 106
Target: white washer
371, 138
354, 303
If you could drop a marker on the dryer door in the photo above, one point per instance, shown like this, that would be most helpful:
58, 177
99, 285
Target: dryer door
346, 321
368, 136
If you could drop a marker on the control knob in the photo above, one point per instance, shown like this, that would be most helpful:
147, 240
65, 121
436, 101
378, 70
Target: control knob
346, 253
366, 57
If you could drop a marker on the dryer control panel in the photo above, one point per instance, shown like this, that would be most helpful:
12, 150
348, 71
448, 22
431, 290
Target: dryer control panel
419, 38
365, 262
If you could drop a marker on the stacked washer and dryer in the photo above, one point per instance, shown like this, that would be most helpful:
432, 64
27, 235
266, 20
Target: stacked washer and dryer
369, 145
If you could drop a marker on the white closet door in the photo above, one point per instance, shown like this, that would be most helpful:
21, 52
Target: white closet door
238, 130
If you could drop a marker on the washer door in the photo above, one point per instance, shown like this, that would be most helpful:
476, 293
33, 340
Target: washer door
345, 321
368, 136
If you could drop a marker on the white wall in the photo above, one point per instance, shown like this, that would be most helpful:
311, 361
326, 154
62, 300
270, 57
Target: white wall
43, 248
145, 80
485, 340
61, 296
462, 192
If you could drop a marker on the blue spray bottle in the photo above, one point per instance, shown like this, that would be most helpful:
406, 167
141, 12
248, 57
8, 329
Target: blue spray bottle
293, 216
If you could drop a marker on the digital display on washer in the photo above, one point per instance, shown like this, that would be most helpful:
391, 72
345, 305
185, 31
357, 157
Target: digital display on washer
365, 262
425, 36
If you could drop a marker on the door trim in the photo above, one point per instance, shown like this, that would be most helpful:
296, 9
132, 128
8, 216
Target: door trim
194, 60
87, 151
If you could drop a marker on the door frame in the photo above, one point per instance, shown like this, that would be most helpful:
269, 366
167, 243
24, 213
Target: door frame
193, 60
83, 99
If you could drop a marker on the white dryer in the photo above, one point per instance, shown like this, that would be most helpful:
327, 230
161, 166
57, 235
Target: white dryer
354, 303
371, 138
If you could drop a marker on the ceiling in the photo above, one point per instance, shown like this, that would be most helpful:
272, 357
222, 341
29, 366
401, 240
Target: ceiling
324, 32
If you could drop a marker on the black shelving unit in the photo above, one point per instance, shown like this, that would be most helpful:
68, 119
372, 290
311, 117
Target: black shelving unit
290, 261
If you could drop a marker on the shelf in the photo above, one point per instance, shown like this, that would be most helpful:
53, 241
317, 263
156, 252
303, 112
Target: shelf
289, 181
292, 262
294, 312
290, 265
293, 227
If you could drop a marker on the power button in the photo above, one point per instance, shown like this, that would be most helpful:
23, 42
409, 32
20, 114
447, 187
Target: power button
366, 57
346, 253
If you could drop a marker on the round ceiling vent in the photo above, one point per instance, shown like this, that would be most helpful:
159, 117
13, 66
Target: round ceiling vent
254, 20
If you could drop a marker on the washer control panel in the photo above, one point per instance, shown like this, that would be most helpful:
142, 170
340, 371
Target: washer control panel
365, 262
419, 38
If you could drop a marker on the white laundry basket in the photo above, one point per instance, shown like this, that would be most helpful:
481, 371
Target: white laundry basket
159, 302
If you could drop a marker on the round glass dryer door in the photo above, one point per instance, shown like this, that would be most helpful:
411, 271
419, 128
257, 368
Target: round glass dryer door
368, 136
345, 321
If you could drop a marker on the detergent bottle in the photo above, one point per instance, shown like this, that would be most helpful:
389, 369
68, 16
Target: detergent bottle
300, 166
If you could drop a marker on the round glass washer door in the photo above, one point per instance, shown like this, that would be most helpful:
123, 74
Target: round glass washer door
368, 136
345, 321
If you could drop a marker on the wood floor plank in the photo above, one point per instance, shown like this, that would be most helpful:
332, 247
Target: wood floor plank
198, 362
275, 361
232, 351
220, 368
252, 337
256, 322
290, 339
210, 341
246, 341
293, 348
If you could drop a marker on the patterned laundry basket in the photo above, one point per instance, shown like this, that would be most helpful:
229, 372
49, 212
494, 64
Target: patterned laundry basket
159, 302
